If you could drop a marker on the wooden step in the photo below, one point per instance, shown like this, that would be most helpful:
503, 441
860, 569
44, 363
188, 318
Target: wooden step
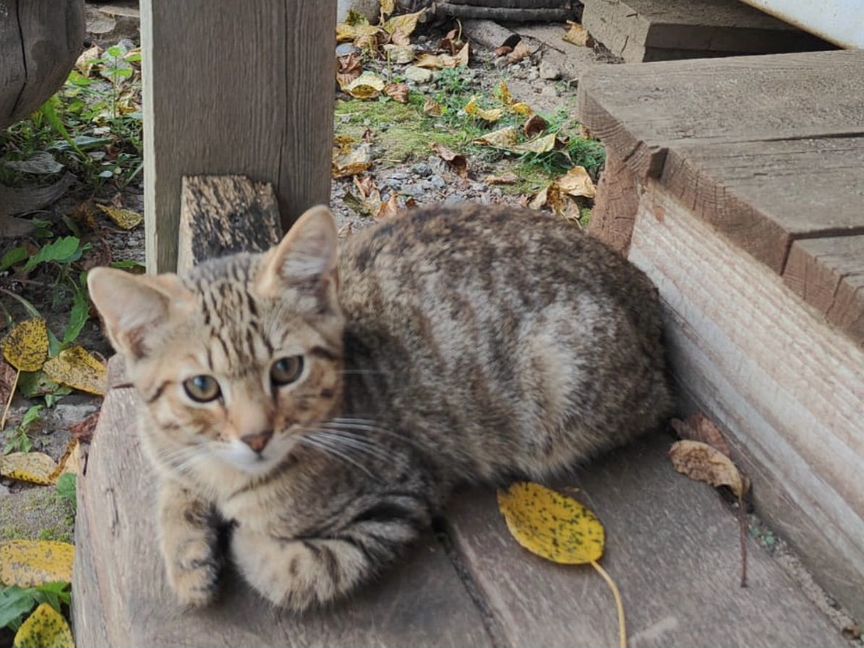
661, 30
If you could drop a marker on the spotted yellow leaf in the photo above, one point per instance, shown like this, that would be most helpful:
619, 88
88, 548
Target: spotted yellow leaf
26, 346
33, 467
491, 115
551, 525
123, 218
367, 86
503, 138
31, 563
522, 109
79, 369
45, 628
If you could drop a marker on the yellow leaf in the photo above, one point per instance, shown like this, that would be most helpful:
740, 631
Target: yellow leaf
70, 462
123, 218
540, 145
405, 24
345, 33
577, 35
504, 94
387, 8
31, 563
429, 61
45, 628
577, 182
33, 467
522, 109
348, 162
26, 346
79, 369
504, 138
551, 525
491, 115
367, 86
433, 108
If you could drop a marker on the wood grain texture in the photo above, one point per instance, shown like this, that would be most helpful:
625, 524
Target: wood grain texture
225, 214
615, 206
768, 368
238, 88
39, 43
829, 275
672, 547
640, 111
653, 30
121, 597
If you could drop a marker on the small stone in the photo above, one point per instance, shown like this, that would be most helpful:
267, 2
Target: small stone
437, 182
549, 71
532, 74
423, 170
501, 62
418, 74
345, 49
549, 91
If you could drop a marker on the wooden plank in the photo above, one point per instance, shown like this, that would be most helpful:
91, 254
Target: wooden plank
121, 597
673, 549
214, 218
615, 207
764, 195
829, 275
236, 88
12, 72
640, 111
654, 30
787, 386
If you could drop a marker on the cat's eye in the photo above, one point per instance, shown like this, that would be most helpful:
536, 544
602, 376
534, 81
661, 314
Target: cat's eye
286, 370
202, 388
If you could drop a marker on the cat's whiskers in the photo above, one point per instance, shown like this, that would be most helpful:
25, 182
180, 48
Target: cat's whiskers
368, 425
356, 443
327, 448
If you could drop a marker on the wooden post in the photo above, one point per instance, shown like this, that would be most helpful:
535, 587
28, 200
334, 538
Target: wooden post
235, 88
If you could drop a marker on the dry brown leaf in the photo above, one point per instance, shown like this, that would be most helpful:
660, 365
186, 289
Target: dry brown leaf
388, 209
349, 68
83, 430
520, 51
441, 61
504, 50
506, 179
461, 57
702, 462
433, 108
366, 186
503, 138
367, 86
348, 162
26, 345
452, 42
576, 183
535, 125
79, 369
405, 24
70, 462
346, 33
87, 59
540, 145
400, 39
429, 61
488, 115
397, 92
457, 161
400, 54
577, 35
699, 427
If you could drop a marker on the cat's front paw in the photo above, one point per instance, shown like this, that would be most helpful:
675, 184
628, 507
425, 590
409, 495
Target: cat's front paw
193, 573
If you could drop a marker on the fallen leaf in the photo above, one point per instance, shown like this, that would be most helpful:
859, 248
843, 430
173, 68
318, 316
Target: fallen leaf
429, 61
577, 35
400, 54
31, 467
345, 32
70, 462
388, 209
520, 51
457, 161
503, 138
452, 42
433, 108
504, 94
367, 86
349, 68
125, 219
535, 125
576, 183
87, 59
369, 202
42, 163
400, 39
404, 24
79, 369
700, 428
551, 525
461, 58
387, 8
506, 179
397, 91
26, 346
702, 462
504, 50
488, 115
349, 161
522, 109
540, 145
45, 628
550, 197
368, 43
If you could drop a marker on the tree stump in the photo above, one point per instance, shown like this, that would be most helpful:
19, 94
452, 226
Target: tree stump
39, 43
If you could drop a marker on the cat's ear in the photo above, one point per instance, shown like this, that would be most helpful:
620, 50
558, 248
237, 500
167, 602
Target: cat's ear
136, 309
307, 255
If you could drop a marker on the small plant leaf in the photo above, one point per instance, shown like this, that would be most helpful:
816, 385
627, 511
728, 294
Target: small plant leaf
77, 317
32, 467
551, 525
45, 628
79, 369
63, 250
26, 346
31, 563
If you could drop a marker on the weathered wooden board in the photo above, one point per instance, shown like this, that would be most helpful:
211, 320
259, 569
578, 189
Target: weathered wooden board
235, 88
829, 275
655, 30
640, 111
616, 205
121, 597
672, 547
787, 385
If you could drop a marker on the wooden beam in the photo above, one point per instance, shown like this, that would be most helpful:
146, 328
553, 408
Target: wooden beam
235, 88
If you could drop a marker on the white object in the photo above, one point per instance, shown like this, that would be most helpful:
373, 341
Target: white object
838, 21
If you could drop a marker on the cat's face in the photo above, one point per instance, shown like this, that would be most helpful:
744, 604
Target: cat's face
240, 361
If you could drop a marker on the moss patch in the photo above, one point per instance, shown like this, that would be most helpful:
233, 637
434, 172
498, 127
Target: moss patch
36, 513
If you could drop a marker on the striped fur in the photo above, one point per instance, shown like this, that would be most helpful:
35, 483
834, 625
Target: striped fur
442, 346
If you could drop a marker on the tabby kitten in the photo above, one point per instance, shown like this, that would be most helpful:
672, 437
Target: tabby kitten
325, 403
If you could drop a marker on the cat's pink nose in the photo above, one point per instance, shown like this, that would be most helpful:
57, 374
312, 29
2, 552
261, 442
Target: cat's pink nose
259, 440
